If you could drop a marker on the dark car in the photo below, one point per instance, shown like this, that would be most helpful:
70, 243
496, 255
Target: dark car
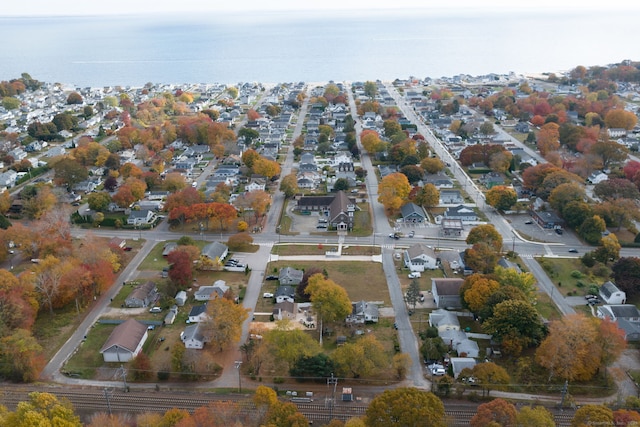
558, 230
573, 251
271, 278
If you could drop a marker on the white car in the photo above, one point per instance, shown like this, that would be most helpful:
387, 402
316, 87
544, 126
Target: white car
267, 295
414, 275
437, 370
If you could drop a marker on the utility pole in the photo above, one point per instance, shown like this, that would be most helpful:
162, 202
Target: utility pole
332, 381
123, 372
106, 396
238, 363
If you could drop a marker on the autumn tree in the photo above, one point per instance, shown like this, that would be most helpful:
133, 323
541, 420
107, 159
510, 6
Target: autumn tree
428, 196
485, 233
476, 290
488, 376
43, 409
289, 185
258, 201
611, 342
99, 201
523, 281
609, 153
360, 359
498, 412
405, 406
591, 229
224, 325
266, 167
330, 300
535, 416
187, 197
568, 351
393, 191
21, 358
18, 303
609, 249
180, 268
432, 165
371, 142
619, 118
588, 415
286, 344
240, 242
549, 138
626, 418
481, 258
566, 193
502, 197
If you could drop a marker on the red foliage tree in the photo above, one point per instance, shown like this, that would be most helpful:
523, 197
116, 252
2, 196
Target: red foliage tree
180, 270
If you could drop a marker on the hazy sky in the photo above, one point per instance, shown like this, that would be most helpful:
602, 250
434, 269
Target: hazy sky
96, 7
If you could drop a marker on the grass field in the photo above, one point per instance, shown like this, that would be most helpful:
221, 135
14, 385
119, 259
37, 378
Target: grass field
571, 277
313, 249
88, 359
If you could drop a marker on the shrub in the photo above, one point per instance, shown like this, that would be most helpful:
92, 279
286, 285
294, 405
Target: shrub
163, 375
278, 380
577, 274
239, 241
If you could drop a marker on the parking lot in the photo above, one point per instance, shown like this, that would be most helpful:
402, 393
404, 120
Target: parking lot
528, 228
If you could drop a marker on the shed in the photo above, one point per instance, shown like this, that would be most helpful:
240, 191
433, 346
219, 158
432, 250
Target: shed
125, 342
181, 298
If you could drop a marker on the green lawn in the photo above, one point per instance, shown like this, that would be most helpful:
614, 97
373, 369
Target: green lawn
571, 277
88, 358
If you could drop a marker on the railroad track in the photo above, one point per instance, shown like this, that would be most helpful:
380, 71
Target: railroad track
88, 401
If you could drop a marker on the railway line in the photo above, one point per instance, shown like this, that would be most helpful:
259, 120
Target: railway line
87, 401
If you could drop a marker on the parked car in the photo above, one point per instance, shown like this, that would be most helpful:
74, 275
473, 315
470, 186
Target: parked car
271, 278
414, 275
559, 231
267, 295
155, 310
528, 221
321, 226
437, 370
413, 233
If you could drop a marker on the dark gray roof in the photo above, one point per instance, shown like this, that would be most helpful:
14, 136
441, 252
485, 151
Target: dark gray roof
412, 209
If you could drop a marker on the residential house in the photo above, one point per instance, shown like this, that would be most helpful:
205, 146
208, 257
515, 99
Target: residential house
198, 313
256, 184
420, 257
193, 337
290, 276
460, 363
339, 208
142, 295
363, 312
597, 177
8, 178
171, 315
439, 180
451, 197
412, 213
141, 217
627, 316
452, 258
168, 248
446, 292
207, 293
505, 263
284, 310
125, 342
285, 293
461, 212
215, 251
444, 320
611, 294
492, 179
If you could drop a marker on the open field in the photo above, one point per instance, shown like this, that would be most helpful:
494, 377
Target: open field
313, 249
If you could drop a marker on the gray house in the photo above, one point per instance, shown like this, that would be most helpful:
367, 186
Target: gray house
142, 296
290, 276
461, 212
285, 293
125, 342
413, 213
446, 292
215, 250
363, 312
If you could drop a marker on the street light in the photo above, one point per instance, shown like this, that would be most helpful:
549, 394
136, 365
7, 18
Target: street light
238, 363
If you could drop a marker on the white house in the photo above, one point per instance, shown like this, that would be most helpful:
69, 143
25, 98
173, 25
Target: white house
461, 212
611, 294
444, 320
198, 313
597, 177
207, 293
125, 342
363, 312
141, 217
420, 257
446, 292
285, 293
192, 337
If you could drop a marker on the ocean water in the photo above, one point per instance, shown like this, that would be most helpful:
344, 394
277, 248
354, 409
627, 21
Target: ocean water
296, 46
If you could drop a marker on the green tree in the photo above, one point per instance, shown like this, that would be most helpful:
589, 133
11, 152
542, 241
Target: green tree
391, 127
341, 184
432, 165
413, 293
502, 197
591, 229
360, 359
564, 194
288, 344
516, 324
626, 274
405, 407
99, 201
10, 103
69, 172
609, 153
487, 128
524, 281
575, 212
371, 89
609, 249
